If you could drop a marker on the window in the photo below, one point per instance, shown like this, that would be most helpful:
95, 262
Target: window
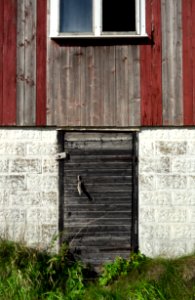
97, 18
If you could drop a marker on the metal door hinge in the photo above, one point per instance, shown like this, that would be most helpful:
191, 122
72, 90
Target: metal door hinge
61, 155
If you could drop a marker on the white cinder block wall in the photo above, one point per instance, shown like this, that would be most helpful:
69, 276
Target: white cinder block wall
167, 191
28, 186
29, 196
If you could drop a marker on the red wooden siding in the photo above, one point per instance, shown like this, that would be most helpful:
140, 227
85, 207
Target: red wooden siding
151, 68
41, 62
8, 62
1, 59
46, 82
189, 61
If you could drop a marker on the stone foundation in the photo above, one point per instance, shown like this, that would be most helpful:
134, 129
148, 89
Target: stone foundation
28, 186
167, 192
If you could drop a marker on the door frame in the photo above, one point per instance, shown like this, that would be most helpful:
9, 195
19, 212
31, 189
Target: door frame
135, 201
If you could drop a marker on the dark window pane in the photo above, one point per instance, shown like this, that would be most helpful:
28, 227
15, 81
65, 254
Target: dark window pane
75, 15
118, 15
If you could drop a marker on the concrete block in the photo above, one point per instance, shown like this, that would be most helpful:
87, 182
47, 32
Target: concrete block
171, 215
146, 182
181, 232
50, 166
4, 166
183, 198
15, 183
26, 199
171, 148
26, 166
154, 165
171, 181
12, 148
155, 198
49, 136
147, 215
49, 199
40, 149
146, 148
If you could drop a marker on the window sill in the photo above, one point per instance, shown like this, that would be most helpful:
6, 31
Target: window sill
103, 36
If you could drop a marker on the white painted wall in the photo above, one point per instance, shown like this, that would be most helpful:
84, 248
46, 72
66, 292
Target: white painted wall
167, 191
29, 196
28, 186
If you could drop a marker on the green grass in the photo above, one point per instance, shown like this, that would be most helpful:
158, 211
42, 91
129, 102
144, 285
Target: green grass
28, 274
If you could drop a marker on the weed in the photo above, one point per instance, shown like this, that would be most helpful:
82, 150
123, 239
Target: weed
120, 267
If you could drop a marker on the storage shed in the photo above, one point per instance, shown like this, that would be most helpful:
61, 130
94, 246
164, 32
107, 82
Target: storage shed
97, 139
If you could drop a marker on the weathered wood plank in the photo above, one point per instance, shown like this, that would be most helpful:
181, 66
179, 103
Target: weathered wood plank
134, 88
41, 59
85, 222
151, 68
70, 216
127, 86
107, 172
101, 165
98, 207
29, 108
188, 22
108, 86
172, 62
20, 61
106, 243
9, 63
26, 63
97, 99
55, 67
122, 89
1, 58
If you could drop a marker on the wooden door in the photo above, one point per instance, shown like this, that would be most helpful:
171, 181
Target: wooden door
100, 215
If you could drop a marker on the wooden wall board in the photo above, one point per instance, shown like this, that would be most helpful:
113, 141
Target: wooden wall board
20, 61
151, 68
172, 62
188, 8
26, 63
108, 86
9, 63
41, 62
1, 58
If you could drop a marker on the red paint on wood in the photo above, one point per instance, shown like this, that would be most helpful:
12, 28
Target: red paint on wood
9, 63
1, 58
188, 8
41, 62
151, 67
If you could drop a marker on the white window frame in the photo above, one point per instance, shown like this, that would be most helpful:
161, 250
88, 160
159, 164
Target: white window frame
97, 22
